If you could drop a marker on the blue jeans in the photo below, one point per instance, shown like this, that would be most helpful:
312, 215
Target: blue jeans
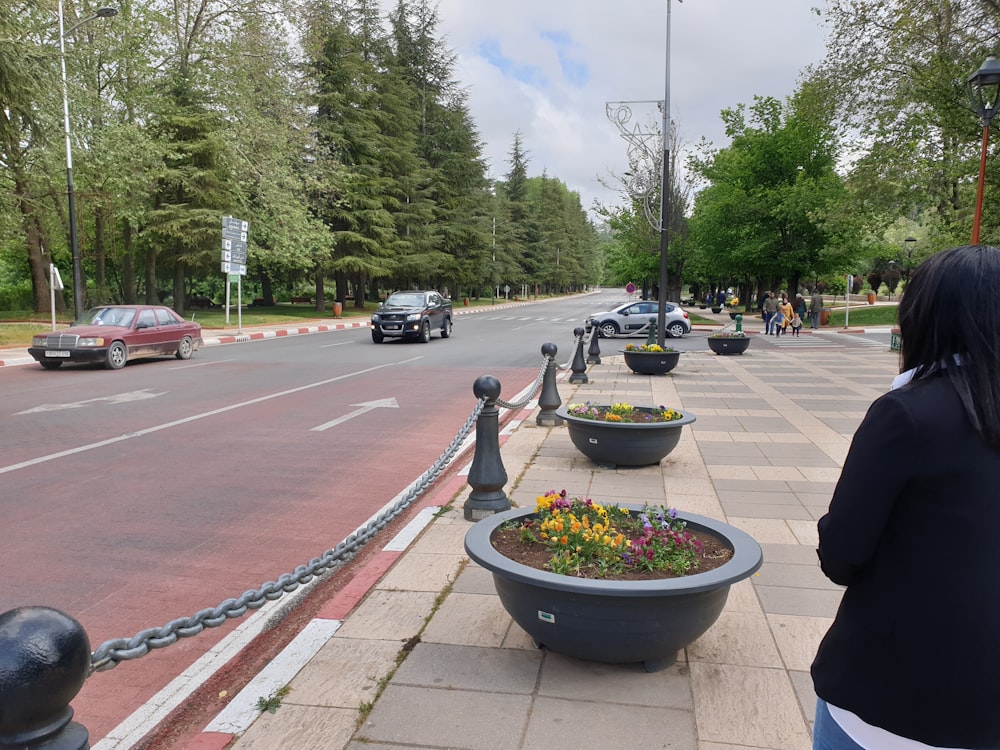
827, 734
768, 317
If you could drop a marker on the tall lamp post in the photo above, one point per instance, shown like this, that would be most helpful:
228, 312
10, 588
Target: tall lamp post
661, 312
73, 244
984, 95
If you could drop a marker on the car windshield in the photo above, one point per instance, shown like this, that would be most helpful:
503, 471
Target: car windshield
401, 299
107, 316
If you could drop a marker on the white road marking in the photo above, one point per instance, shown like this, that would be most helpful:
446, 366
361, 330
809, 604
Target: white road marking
367, 406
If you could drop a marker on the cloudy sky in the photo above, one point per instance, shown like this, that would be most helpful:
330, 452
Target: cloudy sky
548, 67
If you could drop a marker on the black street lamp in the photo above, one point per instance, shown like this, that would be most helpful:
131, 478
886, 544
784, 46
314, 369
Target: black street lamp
73, 244
984, 95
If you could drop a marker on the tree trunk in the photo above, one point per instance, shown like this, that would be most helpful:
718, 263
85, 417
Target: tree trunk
320, 289
37, 259
102, 294
152, 295
180, 293
130, 293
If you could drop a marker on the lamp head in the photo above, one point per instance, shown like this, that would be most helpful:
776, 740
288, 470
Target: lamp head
106, 12
909, 242
984, 90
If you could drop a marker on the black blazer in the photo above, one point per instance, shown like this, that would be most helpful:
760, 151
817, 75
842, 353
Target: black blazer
913, 531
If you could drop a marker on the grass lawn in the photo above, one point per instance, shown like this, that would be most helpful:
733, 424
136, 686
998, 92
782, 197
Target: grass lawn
862, 316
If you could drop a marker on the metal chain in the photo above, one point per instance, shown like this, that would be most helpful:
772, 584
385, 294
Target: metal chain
531, 391
569, 364
111, 653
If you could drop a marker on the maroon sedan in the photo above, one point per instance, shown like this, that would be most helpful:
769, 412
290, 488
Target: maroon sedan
115, 334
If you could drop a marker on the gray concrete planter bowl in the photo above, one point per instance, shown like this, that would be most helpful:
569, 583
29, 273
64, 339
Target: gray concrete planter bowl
728, 345
624, 443
616, 622
651, 363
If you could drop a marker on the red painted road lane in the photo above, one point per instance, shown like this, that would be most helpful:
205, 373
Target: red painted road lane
238, 498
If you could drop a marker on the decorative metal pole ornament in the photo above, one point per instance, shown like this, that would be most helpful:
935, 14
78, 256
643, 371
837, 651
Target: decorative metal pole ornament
647, 164
984, 95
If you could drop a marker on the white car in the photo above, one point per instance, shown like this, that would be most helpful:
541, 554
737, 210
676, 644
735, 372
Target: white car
632, 319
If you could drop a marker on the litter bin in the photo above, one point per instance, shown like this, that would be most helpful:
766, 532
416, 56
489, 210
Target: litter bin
894, 340
338, 309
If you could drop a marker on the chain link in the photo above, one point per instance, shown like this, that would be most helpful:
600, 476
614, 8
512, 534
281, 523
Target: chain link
111, 653
569, 364
531, 391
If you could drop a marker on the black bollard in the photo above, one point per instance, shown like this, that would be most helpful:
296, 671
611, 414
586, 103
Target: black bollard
579, 366
594, 350
651, 338
487, 476
548, 399
44, 660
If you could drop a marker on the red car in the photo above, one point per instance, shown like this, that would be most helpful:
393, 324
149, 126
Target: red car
115, 334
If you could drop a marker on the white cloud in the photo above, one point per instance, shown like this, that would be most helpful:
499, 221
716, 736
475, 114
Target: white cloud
547, 68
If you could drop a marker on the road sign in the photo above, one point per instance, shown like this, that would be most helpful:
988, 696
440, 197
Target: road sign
234, 268
630, 288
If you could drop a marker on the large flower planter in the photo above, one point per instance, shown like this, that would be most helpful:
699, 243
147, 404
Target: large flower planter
728, 344
624, 443
651, 363
615, 622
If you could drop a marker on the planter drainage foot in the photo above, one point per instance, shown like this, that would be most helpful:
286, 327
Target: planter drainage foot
656, 665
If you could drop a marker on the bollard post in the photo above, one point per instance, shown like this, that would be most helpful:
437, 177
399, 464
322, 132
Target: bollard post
579, 366
594, 350
651, 338
548, 399
487, 476
44, 660
739, 323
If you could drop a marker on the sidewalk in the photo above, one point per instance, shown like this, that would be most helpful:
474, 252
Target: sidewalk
425, 656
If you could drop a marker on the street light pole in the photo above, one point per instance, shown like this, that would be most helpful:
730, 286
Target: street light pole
984, 94
661, 311
73, 243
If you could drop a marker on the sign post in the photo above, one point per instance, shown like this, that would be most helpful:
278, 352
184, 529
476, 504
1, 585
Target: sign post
234, 261
55, 284
847, 300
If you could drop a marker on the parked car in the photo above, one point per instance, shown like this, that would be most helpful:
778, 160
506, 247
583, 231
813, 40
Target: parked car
632, 318
114, 334
412, 315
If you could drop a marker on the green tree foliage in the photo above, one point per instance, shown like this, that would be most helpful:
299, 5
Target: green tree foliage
771, 196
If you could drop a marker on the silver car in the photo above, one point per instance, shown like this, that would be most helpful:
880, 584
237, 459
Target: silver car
632, 319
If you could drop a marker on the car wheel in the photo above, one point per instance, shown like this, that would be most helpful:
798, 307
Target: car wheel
608, 330
425, 332
377, 336
185, 348
446, 328
676, 330
49, 364
117, 356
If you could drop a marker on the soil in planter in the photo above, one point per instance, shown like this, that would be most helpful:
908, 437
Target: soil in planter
507, 541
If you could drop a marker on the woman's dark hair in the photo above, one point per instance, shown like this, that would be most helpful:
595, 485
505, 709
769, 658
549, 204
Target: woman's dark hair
950, 313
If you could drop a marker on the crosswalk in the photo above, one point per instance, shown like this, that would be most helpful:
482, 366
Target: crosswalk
823, 340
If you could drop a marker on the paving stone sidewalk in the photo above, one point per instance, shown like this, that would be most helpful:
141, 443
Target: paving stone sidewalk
429, 659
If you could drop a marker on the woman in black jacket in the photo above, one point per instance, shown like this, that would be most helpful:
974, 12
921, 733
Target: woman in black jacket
913, 531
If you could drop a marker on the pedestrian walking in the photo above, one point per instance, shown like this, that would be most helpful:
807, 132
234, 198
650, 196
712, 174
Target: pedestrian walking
783, 317
815, 308
796, 324
770, 307
912, 654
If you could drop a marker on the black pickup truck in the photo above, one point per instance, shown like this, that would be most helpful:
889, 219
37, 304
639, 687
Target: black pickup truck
412, 315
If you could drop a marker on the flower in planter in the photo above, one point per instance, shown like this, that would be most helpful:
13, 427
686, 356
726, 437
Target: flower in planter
728, 335
647, 348
622, 413
595, 541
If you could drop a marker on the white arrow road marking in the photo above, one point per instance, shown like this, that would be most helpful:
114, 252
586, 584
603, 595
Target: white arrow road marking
119, 398
365, 407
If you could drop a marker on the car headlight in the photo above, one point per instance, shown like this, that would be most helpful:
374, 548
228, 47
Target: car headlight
375, 318
90, 342
414, 316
